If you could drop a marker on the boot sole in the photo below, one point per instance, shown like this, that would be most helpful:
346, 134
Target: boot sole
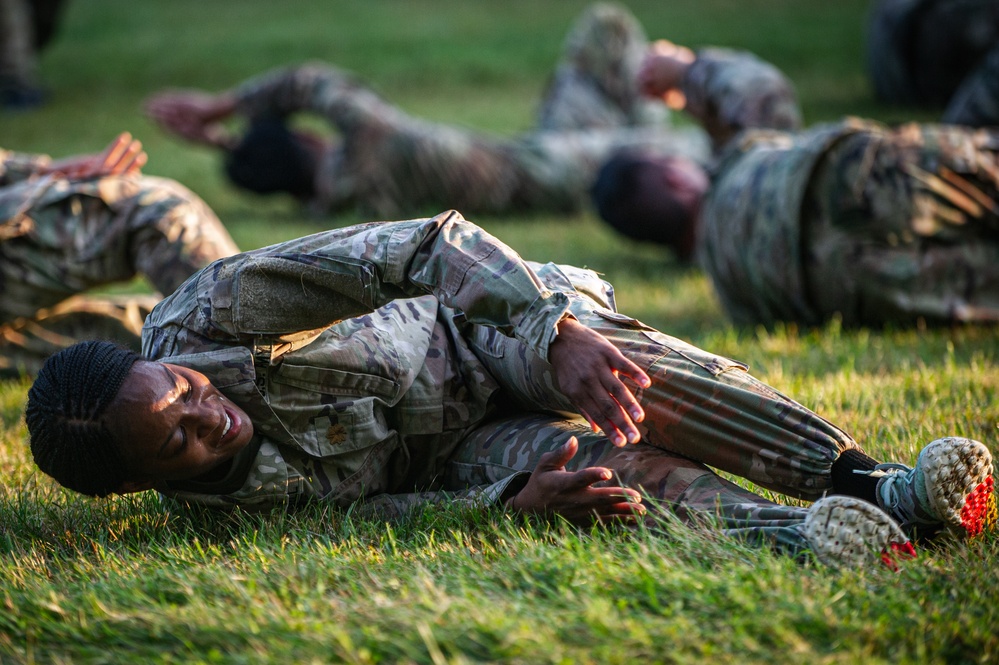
845, 532
958, 479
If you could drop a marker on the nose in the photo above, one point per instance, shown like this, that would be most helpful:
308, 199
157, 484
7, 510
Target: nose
202, 416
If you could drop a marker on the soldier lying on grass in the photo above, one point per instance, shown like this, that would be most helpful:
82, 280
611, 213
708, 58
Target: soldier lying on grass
391, 165
395, 363
78, 223
872, 224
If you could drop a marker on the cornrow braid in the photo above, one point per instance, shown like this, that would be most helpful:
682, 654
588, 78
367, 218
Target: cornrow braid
69, 439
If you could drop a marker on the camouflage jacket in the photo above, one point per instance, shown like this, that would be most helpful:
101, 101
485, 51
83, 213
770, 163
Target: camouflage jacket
349, 351
730, 91
393, 165
18, 166
877, 224
60, 237
749, 239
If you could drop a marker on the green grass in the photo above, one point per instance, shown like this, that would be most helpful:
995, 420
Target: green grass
132, 580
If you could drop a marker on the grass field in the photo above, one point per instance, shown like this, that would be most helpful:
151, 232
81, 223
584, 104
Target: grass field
132, 580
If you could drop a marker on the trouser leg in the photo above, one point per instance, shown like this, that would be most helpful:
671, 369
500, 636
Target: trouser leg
26, 342
17, 55
670, 483
976, 101
701, 406
595, 81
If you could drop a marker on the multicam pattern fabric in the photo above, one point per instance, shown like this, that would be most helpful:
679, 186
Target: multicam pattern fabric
921, 51
392, 165
911, 211
595, 84
60, 238
729, 91
401, 363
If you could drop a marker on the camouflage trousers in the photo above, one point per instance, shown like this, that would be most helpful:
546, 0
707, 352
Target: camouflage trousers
73, 236
701, 410
26, 342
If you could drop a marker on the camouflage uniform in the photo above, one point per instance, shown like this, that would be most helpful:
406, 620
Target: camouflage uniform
391, 164
728, 91
405, 362
936, 53
877, 225
60, 237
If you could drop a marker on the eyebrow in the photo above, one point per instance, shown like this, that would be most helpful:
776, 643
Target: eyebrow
173, 383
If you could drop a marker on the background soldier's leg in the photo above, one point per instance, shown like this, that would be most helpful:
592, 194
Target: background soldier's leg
27, 342
18, 62
976, 101
595, 81
670, 482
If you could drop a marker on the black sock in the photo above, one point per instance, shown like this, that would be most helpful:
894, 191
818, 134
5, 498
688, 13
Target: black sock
859, 485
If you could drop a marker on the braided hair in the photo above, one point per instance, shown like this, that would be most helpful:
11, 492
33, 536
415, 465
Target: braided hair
69, 439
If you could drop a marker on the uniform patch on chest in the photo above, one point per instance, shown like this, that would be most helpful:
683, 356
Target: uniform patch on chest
336, 434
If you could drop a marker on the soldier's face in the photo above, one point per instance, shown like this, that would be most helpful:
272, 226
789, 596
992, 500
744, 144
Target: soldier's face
174, 425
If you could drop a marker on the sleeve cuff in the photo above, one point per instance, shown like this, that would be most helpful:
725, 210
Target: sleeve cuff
538, 326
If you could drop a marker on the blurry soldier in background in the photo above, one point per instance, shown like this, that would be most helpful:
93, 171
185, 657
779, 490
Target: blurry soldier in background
390, 164
70, 225
26, 27
854, 219
937, 53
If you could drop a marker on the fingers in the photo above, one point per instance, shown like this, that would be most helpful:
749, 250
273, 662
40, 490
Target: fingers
125, 156
115, 147
139, 159
619, 504
616, 409
114, 153
558, 458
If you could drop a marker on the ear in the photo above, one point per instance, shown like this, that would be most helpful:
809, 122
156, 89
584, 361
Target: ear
132, 486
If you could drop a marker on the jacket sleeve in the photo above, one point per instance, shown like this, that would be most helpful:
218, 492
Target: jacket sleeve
287, 290
314, 87
19, 166
728, 91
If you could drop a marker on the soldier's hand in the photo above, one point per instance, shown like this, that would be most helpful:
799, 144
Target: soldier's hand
662, 70
123, 156
191, 114
551, 490
588, 369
